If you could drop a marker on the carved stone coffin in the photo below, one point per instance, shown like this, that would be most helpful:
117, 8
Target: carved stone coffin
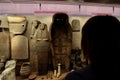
4, 45
19, 47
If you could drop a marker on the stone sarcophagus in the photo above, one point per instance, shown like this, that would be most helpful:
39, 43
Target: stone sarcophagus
39, 48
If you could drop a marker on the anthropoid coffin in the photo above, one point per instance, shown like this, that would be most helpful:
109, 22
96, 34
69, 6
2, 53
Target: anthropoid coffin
19, 47
39, 52
17, 24
4, 45
61, 38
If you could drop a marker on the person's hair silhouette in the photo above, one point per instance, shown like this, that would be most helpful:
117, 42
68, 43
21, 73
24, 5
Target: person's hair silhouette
101, 46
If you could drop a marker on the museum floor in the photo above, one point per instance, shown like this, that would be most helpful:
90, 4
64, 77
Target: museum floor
44, 77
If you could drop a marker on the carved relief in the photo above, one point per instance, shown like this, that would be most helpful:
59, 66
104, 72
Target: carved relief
75, 25
35, 24
17, 24
41, 32
39, 47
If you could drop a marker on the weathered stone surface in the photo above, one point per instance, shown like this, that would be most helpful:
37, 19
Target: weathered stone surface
17, 24
39, 54
17, 28
4, 45
19, 47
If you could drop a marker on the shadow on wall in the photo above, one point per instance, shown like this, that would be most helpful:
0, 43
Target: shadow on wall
104, 1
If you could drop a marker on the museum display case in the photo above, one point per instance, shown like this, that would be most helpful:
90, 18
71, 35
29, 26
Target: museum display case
42, 40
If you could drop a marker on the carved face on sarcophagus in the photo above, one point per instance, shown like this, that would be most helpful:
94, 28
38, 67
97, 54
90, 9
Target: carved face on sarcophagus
34, 27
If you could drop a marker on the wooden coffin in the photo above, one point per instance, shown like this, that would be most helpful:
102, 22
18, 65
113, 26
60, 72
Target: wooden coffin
61, 38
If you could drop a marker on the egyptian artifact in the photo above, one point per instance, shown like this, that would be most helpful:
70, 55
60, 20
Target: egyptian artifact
61, 39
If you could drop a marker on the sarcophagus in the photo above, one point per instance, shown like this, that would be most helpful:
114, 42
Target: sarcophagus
61, 38
39, 49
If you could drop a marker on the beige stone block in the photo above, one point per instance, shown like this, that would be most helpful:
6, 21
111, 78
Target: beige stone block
19, 47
